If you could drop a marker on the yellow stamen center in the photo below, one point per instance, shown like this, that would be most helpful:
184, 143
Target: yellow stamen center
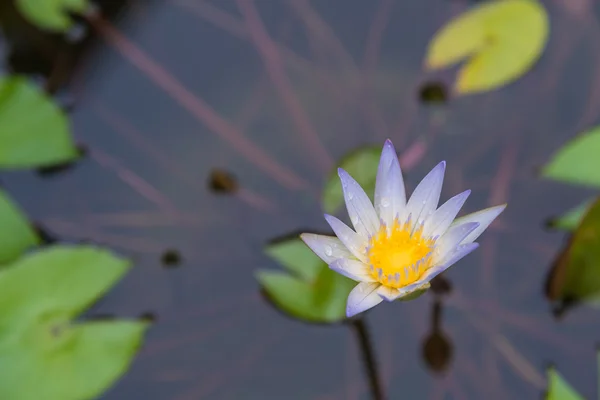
400, 255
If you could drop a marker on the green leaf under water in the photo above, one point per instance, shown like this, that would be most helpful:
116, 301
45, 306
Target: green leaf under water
362, 165
34, 132
572, 218
577, 161
52, 15
576, 274
502, 40
46, 354
16, 233
309, 290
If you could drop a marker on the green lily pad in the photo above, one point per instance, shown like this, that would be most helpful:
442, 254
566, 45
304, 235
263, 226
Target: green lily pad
502, 40
34, 132
362, 165
45, 353
572, 218
293, 256
576, 274
577, 162
559, 388
309, 290
16, 233
52, 15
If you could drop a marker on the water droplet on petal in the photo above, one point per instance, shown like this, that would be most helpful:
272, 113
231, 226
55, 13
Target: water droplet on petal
385, 202
328, 251
350, 196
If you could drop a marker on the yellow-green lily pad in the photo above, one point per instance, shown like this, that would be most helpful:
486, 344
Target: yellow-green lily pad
16, 233
34, 132
46, 353
51, 15
501, 39
308, 290
559, 388
570, 220
577, 162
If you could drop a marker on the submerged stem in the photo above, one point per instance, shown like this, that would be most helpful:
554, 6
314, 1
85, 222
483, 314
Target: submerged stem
368, 357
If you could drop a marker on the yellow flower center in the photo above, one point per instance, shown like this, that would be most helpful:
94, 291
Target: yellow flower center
400, 256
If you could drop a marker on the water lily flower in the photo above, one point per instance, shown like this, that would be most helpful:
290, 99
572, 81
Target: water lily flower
397, 246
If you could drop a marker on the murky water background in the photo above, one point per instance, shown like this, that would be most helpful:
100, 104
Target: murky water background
170, 97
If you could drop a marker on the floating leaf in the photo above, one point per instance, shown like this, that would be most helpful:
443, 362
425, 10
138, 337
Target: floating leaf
576, 274
571, 219
52, 15
362, 165
318, 295
16, 233
294, 256
34, 132
577, 162
559, 389
46, 354
502, 40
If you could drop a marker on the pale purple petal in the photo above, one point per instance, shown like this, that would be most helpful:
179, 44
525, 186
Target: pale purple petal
388, 293
442, 218
451, 259
484, 217
352, 240
328, 248
451, 239
353, 269
425, 198
390, 196
363, 297
361, 211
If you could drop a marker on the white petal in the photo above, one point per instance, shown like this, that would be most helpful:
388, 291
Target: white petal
390, 196
484, 217
352, 240
328, 248
451, 239
451, 259
362, 297
352, 269
388, 293
424, 200
361, 211
442, 218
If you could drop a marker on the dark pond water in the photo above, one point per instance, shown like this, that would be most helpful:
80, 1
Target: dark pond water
210, 127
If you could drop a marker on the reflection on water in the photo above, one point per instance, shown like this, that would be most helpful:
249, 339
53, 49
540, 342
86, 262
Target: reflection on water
180, 101
437, 346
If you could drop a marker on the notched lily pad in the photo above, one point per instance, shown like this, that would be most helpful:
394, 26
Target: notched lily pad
577, 162
34, 132
52, 15
308, 290
502, 39
362, 165
16, 233
575, 276
47, 353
